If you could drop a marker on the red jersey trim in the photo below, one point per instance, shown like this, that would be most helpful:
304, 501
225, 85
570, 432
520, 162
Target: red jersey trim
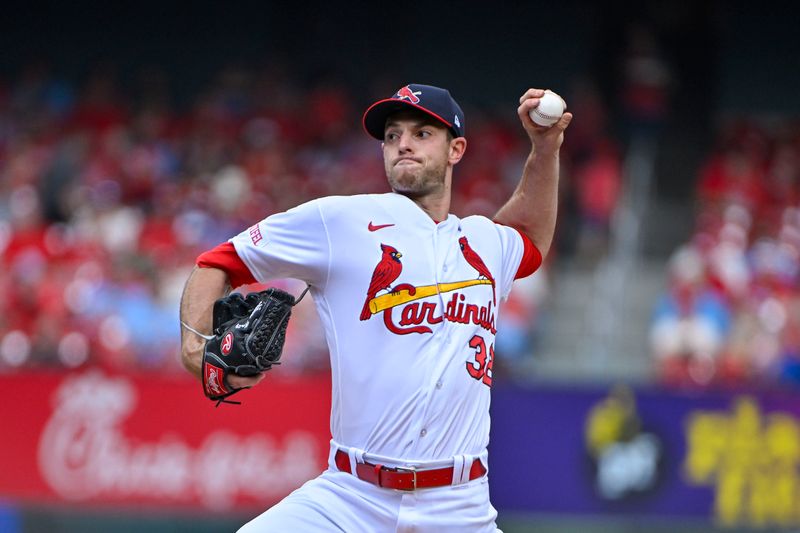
224, 257
531, 257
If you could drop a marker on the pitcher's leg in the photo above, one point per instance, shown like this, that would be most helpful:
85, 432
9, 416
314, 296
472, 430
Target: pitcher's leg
335, 501
455, 509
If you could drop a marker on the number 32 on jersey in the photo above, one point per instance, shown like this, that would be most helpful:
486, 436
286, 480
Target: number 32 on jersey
480, 367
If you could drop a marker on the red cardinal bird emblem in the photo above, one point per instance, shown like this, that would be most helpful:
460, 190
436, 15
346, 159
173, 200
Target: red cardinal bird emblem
385, 273
407, 94
477, 263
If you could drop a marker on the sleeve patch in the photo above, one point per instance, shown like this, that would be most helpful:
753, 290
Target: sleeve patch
255, 234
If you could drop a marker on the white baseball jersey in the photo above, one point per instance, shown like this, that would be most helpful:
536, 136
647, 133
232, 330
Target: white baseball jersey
409, 308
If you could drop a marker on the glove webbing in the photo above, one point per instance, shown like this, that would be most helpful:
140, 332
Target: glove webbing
271, 339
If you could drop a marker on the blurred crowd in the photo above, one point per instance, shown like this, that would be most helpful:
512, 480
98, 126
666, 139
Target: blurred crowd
731, 314
109, 191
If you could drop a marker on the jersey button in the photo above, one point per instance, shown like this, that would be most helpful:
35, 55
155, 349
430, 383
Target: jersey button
423, 432
438, 384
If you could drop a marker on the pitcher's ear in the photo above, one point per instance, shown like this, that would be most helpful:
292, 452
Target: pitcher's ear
457, 148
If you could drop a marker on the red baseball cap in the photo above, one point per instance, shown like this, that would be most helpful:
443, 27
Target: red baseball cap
432, 101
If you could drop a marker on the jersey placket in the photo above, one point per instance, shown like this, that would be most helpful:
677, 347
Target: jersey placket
441, 250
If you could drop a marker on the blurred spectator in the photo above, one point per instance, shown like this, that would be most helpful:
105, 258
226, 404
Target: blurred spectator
646, 78
690, 323
591, 183
599, 185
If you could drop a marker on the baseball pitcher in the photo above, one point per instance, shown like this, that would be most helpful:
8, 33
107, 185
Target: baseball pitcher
409, 296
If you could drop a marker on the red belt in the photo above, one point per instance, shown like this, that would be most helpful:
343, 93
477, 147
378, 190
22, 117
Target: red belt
405, 478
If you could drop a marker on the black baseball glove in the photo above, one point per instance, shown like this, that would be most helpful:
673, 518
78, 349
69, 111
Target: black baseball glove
248, 338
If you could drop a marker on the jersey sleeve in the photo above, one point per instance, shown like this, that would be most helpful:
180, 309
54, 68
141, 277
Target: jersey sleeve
521, 257
531, 258
225, 258
292, 244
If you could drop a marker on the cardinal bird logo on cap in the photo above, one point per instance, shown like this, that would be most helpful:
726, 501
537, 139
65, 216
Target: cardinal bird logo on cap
388, 270
477, 263
407, 94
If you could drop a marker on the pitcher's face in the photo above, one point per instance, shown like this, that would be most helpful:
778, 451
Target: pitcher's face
416, 154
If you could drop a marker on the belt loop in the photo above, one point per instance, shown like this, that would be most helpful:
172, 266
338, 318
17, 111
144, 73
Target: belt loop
356, 456
460, 467
468, 460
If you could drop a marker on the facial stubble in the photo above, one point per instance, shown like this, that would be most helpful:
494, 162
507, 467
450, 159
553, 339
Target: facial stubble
418, 180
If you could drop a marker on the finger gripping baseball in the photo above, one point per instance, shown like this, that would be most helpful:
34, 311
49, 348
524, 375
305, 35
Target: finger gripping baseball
249, 334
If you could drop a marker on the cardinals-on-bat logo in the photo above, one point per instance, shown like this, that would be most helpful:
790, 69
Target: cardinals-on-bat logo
388, 270
412, 312
477, 263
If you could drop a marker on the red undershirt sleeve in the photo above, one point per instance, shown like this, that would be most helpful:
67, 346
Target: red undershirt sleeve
224, 257
531, 258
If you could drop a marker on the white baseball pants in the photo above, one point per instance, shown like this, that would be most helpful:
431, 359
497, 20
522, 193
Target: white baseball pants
339, 501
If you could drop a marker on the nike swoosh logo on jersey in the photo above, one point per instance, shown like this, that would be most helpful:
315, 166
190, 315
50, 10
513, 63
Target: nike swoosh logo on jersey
372, 227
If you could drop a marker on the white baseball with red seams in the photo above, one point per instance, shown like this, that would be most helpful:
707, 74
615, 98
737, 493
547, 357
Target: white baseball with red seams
551, 107
409, 307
